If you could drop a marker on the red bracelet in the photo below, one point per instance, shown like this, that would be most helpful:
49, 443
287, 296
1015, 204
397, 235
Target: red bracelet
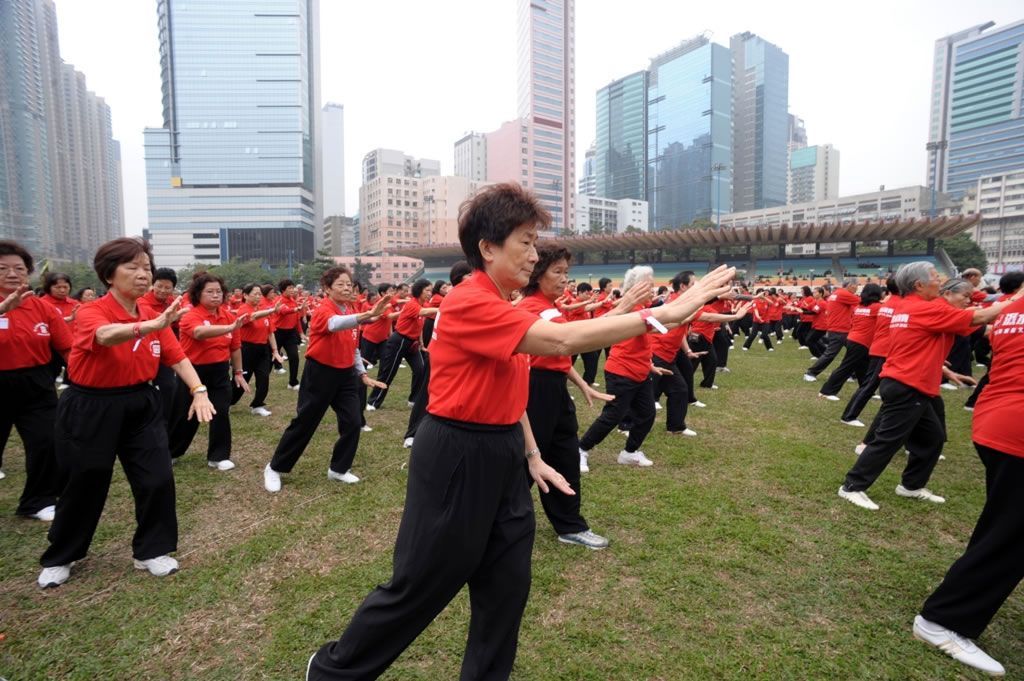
137, 330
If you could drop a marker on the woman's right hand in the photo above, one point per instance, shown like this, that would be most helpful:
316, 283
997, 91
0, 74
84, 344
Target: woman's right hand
202, 408
172, 314
12, 301
711, 286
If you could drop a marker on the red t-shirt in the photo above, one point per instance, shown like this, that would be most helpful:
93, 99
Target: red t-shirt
378, 331
631, 358
880, 343
254, 331
775, 311
29, 333
334, 348
539, 305
667, 345
761, 307
209, 350
152, 306
126, 364
807, 303
287, 316
840, 310
410, 322
997, 415
864, 319
606, 304
475, 374
820, 308
708, 329
921, 336
65, 307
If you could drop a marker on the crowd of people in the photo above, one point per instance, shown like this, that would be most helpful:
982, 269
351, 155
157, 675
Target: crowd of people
131, 374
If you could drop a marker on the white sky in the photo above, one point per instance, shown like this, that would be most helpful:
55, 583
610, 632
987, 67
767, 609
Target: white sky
417, 75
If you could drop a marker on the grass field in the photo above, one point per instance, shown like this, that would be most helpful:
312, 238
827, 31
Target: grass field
731, 558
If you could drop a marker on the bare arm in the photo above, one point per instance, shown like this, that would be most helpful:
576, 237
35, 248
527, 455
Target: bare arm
987, 315
541, 473
201, 405
109, 335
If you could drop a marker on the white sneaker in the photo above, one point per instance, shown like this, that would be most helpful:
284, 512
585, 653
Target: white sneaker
403, 366
225, 465
858, 498
746, 349
407, 443
370, 407
877, 397
294, 387
62, 386
623, 433
859, 449
368, 366
657, 406
714, 387
410, 404
366, 429
851, 380
948, 386
698, 404
592, 541
54, 576
956, 646
161, 566
2, 475
595, 385
271, 480
856, 423
689, 433
636, 458
584, 466
809, 378
725, 370
802, 347
830, 398
966, 408
45, 514
260, 411
280, 371
924, 493
345, 477
773, 349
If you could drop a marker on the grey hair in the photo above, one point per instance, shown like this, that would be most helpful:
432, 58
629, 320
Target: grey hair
849, 281
913, 273
957, 286
636, 274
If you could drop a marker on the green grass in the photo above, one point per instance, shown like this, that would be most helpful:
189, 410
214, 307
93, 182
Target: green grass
731, 558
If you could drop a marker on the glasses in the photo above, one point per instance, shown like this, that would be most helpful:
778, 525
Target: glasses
19, 269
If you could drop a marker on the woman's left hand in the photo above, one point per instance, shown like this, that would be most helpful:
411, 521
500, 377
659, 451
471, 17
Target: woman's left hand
241, 382
543, 474
590, 394
371, 383
202, 408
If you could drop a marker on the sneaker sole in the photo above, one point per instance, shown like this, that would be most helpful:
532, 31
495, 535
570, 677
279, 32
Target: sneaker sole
576, 543
143, 567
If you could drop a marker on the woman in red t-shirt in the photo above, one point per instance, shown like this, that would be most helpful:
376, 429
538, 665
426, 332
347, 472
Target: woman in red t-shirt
468, 515
878, 350
259, 347
330, 379
405, 343
112, 411
803, 326
31, 331
57, 292
210, 339
981, 580
855, 361
288, 328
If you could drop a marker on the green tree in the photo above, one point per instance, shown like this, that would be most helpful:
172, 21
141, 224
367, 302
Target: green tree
82, 275
964, 252
309, 274
362, 271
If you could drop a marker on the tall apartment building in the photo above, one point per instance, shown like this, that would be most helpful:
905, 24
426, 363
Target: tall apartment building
235, 171
546, 95
471, 157
620, 150
978, 129
813, 174
588, 181
340, 235
760, 92
60, 168
1000, 200
689, 134
442, 198
797, 132
381, 162
617, 215
333, 152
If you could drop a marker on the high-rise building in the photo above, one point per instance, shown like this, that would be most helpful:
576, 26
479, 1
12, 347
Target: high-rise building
760, 94
983, 116
689, 134
1000, 201
340, 235
507, 154
60, 168
380, 162
813, 174
547, 84
471, 157
797, 132
588, 181
442, 198
235, 170
942, 81
333, 150
600, 214
620, 151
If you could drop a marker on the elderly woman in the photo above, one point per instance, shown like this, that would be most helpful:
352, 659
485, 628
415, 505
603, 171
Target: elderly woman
862, 331
31, 331
921, 333
259, 347
981, 580
406, 342
210, 339
877, 352
112, 410
468, 516
330, 378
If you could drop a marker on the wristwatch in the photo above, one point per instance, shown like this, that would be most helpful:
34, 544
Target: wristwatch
199, 389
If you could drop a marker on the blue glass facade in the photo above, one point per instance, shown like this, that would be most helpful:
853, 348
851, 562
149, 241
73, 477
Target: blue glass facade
986, 121
620, 152
689, 134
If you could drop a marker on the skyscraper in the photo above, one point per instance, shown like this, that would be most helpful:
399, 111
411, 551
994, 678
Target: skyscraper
689, 134
333, 149
60, 167
813, 174
471, 157
620, 152
236, 161
760, 92
588, 182
983, 115
547, 65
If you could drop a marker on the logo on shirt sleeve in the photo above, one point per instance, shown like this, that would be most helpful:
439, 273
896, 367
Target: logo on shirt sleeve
41, 329
154, 347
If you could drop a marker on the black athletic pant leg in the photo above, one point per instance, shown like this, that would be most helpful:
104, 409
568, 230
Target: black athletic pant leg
978, 389
708, 362
28, 402
419, 405
288, 343
166, 383
685, 367
866, 390
590, 360
836, 342
855, 358
675, 387
217, 379
721, 343
391, 359
316, 394
626, 392
414, 358
349, 411
255, 364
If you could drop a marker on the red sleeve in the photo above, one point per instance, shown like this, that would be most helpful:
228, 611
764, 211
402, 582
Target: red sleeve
188, 324
170, 349
846, 298
60, 332
487, 326
945, 318
90, 318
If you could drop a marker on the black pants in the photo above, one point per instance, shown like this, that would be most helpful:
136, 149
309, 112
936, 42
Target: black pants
631, 397
745, 325
92, 428
835, 341
322, 386
855, 363
553, 421
685, 367
800, 333
678, 395
468, 519
981, 346
815, 342
721, 342
777, 328
981, 580
217, 379
255, 362
708, 362
762, 328
959, 358
371, 351
978, 389
419, 405
398, 347
907, 418
590, 366
28, 403
866, 390
288, 343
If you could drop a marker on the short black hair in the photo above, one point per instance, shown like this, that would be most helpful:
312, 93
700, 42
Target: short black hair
51, 279
8, 247
419, 287
166, 274
871, 293
493, 214
547, 256
199, 282
283, 284
1011, 282
383, 288
459, 271
584, 287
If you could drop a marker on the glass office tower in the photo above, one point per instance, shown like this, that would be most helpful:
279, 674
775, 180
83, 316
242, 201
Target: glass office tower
620, 152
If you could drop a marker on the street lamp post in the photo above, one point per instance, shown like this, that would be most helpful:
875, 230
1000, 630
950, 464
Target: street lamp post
718, 168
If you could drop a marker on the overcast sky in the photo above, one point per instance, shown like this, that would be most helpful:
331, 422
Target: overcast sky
416, 75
